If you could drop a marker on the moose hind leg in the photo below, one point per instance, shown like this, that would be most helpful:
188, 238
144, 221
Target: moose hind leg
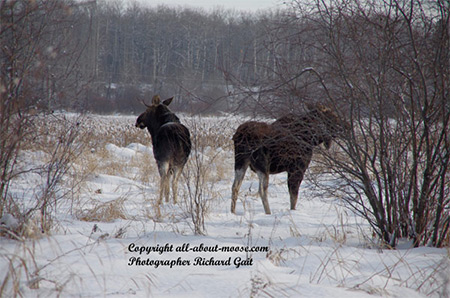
176, 176
294, 181
164, 183
239, 174
263, 185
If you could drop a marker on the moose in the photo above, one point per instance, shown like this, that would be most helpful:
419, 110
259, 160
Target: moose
171, 143
286, 145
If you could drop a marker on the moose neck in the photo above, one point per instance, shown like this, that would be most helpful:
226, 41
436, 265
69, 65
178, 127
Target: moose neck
309, 128
318, 128
155, 123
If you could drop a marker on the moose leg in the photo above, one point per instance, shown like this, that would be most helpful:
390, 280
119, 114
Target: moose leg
263, 185
238, 178
164, 183
166, 187
176, 176
294, 180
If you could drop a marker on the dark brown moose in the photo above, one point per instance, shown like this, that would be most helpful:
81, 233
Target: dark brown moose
171, 144
285, 145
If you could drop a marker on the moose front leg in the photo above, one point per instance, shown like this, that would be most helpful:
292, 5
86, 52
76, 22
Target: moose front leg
294, 181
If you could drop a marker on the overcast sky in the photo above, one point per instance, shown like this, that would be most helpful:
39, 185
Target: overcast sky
246, 5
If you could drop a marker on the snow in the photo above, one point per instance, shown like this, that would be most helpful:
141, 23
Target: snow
123, 153
319, 250
9, 221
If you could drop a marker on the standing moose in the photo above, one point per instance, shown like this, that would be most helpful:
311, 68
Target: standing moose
285, 145
171, 143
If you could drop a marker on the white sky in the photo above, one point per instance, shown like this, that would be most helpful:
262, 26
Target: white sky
244, 5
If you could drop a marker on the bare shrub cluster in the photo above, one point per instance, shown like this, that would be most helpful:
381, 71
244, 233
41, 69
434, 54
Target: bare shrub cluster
385, 68
203, 169
34, 42
395, 84
391, 77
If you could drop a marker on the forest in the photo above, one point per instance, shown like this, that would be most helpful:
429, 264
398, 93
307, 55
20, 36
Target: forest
183, 52
119, 53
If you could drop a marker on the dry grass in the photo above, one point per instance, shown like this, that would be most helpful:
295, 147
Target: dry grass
104, 211
147, 169
18, 267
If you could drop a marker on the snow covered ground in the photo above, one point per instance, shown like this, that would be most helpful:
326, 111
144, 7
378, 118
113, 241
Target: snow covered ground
106, 240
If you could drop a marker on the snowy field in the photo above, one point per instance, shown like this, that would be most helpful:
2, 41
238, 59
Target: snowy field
106, 240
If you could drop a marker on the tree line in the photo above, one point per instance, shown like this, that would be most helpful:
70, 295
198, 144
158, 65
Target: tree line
133, 50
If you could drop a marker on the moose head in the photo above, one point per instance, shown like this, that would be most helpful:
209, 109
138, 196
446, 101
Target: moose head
156, 115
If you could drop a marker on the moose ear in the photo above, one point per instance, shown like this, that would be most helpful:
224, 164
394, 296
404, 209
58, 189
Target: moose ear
167, 101
156, 100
